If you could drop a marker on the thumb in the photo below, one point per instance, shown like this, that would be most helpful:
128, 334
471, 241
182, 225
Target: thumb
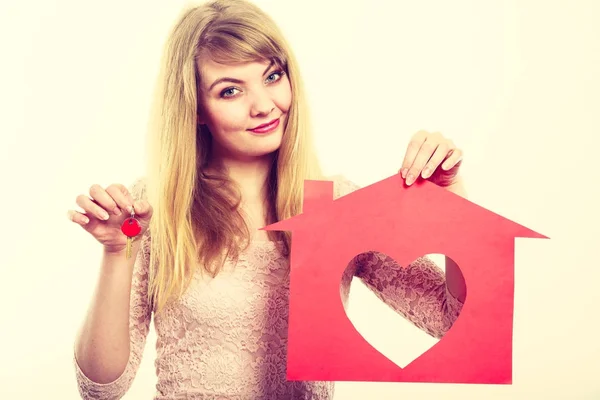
143, 209
445, 178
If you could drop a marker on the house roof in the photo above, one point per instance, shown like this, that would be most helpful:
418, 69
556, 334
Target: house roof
390, 203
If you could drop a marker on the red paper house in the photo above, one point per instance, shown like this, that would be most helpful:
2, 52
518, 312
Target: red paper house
324, 345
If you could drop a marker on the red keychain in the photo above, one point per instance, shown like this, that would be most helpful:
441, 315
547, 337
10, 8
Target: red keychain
131, 228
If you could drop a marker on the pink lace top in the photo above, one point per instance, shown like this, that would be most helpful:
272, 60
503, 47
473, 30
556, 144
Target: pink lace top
226, 337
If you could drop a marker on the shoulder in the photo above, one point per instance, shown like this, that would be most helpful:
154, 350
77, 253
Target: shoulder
342, 185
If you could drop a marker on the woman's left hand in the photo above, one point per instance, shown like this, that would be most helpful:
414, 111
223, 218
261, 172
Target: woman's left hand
433, 157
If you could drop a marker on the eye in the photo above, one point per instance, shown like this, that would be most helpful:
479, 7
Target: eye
275, 76
228, 92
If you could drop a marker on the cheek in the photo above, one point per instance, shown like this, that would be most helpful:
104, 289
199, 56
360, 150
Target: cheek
283, 96
226, 117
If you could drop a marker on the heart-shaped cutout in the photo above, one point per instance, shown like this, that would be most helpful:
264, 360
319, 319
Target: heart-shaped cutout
402, 312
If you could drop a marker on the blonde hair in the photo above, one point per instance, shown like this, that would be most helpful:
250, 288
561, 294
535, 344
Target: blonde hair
194, 223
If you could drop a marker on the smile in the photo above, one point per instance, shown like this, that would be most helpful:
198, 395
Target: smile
266, 128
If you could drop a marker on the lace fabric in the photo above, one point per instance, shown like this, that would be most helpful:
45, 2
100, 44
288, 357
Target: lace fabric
226, 338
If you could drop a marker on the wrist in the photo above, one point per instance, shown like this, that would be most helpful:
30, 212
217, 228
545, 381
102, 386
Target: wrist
120, 252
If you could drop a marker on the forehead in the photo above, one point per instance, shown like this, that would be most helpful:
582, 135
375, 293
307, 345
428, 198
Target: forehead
210, 70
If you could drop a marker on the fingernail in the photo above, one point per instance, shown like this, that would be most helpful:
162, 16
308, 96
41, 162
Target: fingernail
425, 173
85, 220
410, 179
105, 215
404, 171
117, 211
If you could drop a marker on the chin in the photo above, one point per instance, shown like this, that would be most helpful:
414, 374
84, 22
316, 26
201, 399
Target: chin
266, 150
267, 143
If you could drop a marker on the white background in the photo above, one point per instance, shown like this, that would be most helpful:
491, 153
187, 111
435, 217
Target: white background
514, 83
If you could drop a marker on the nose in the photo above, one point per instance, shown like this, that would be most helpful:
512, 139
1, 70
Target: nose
262, 104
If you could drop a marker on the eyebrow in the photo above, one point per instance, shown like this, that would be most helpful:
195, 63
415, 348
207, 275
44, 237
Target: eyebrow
233, 80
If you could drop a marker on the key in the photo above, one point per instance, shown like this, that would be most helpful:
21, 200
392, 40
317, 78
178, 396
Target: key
131, 228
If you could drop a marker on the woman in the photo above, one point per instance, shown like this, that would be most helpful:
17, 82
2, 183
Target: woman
231, 152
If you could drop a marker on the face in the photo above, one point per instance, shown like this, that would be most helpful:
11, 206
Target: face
245, 107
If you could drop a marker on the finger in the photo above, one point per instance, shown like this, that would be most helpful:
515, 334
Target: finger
453, 159
91, 208
427, 150
412, 150
121, 197
77, 217
143, 208
436, 159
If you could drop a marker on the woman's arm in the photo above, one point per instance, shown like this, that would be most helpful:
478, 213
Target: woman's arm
109, 346
418, 292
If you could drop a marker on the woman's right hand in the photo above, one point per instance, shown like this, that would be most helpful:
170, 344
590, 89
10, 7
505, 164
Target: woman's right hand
104, 213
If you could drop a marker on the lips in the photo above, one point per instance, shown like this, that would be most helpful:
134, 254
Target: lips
266, 128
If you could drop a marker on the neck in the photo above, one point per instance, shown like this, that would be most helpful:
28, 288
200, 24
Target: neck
250, 176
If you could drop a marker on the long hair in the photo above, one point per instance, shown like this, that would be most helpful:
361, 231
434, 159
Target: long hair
195, 224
